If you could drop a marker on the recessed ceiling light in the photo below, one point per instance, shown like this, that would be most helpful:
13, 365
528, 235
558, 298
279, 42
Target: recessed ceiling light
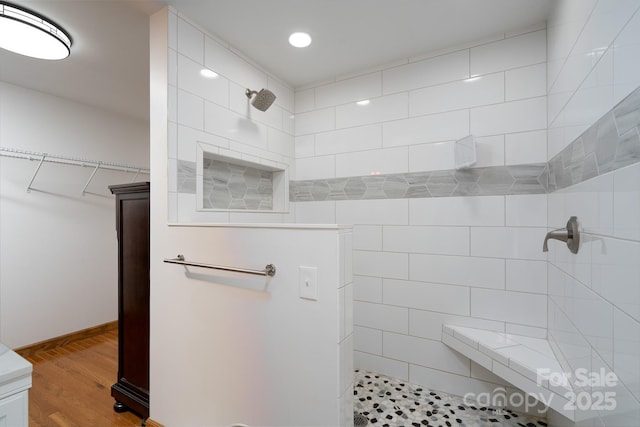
31, 34
207, 73
363, 102
300, 39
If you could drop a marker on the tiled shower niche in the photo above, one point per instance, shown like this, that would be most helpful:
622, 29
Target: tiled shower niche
226, 183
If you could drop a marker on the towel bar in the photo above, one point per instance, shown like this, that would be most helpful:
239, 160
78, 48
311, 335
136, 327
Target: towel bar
269, 270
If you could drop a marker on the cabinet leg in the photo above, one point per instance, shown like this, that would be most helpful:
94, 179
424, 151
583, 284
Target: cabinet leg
119, 407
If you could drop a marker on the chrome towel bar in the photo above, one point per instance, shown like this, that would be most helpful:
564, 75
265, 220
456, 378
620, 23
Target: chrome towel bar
269, 270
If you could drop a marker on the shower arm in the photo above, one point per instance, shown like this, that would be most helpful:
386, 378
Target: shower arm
570, 235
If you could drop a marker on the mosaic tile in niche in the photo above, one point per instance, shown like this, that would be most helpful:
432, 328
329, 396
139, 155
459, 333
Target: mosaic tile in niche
234, 186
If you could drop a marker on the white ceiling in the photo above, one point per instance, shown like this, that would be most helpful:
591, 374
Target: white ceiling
108, 66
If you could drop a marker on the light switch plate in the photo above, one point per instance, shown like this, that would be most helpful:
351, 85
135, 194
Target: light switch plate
308, 283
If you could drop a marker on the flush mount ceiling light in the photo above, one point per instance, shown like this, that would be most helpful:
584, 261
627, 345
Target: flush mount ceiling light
31, 34
300, 39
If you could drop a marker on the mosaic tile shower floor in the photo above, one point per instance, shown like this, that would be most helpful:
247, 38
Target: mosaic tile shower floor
389, 402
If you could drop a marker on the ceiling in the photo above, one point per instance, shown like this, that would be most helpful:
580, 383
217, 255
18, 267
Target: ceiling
108, 66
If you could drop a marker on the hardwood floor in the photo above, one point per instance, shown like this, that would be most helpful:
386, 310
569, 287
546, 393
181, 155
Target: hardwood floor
72, 385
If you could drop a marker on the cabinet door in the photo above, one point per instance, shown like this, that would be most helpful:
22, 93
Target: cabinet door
14, 410
134, 292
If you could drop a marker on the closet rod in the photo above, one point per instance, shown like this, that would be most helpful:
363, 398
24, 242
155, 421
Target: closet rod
65, 160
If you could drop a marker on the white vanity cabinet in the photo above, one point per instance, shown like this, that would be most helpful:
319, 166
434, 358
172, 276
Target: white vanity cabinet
15, 382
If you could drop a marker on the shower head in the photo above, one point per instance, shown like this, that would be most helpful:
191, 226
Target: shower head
263, 99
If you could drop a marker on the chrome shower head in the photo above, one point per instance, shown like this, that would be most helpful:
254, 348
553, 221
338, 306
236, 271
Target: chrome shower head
263, 99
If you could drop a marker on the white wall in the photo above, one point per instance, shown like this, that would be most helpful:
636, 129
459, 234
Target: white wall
594, 299
419, 263
230, 348
58, 254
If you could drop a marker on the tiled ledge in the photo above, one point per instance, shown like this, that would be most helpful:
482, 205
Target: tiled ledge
523, 361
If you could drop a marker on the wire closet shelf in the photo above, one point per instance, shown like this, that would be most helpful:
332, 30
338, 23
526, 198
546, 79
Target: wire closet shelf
66, 160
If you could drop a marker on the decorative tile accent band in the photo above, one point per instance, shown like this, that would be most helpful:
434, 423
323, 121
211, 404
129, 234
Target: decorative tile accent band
186, 177
497, 180
609, 144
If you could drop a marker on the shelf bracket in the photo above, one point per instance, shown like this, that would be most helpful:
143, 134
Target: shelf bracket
91, 177
136, 175
36, 172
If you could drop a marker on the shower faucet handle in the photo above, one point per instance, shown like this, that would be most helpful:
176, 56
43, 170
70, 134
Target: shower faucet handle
570, 234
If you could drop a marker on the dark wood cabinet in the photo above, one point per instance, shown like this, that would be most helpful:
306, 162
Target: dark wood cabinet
131, 391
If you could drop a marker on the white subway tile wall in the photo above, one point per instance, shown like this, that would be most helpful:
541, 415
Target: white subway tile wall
346, 341
477, 261
372, 162
510, 53
458, 270
470, 261
424, 352
583, 65
626, 203
426, 129
216, 111
348, 91
422, 262
594, 296
507, 306
384, 108
458, 211
483, 90
509, 117
433, 240
368, 340
525, 147
526, 82
429, 72
361, 138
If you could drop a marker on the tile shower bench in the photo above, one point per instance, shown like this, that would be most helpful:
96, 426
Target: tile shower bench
526, 362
